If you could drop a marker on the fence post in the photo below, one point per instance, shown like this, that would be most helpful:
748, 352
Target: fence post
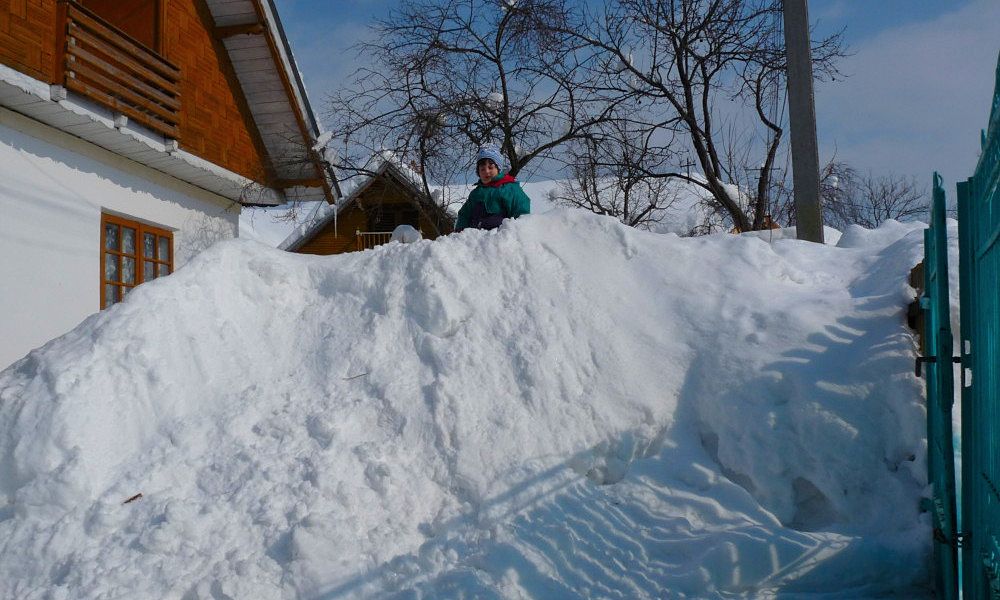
979, 275
940, 398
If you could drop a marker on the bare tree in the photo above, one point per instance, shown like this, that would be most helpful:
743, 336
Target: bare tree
609, 177
869, 200
705, 79
850, 198
449, 75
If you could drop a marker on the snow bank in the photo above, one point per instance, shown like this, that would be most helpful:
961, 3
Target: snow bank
563, 407
830, 235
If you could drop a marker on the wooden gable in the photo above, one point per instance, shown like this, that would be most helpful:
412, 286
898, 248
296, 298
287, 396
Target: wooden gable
384, 203
259, 52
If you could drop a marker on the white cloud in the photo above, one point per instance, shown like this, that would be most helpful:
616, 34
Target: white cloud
917, 95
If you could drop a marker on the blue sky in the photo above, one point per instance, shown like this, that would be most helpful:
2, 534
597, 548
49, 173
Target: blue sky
918, 90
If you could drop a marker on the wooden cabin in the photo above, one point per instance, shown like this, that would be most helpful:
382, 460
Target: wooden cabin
131, 134
391, 195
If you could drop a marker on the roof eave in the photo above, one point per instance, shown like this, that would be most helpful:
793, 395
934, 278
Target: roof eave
55, 107
266, 22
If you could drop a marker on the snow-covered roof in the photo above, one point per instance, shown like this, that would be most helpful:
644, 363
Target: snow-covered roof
379, 165
260, 54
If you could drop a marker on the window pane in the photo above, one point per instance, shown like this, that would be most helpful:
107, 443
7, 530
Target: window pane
128, 270
148, 270
111, 236
128, 240
111, 267
149, 245
164, 250
110, 294
164, 269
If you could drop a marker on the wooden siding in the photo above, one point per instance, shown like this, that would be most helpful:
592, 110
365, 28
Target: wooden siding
354, 218
139, 19
28, 37
328, 242
215, 121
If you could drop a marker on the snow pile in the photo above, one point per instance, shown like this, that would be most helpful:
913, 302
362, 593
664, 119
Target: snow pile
405, 234
830, 235
564, 407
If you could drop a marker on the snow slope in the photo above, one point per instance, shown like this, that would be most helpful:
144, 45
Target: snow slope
561, 408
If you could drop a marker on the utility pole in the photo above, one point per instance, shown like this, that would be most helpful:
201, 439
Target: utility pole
802, 114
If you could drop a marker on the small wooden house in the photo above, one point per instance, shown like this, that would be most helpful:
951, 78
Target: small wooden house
131, 134
390, 196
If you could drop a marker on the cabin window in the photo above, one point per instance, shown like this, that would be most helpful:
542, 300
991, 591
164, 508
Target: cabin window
138, 19
131, 253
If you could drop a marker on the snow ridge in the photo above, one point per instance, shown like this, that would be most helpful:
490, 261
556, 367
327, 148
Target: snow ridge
564, 407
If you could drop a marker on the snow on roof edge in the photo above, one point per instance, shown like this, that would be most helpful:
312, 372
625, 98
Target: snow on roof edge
300, 96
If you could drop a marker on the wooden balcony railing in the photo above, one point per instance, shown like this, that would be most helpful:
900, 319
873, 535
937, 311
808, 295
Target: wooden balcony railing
109, 67
371, 239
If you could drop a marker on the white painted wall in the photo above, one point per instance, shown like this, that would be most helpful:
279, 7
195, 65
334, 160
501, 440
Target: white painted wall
53, 188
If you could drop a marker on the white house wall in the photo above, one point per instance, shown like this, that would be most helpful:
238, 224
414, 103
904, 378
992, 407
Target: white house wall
53, 189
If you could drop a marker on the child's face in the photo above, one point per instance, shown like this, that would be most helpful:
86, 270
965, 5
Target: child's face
487, 170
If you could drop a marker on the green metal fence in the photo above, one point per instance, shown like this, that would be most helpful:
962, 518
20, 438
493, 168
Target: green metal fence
979, 278
938, 343
978, 533
975, 529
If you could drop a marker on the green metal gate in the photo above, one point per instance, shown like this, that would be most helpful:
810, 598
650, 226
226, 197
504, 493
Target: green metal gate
979, 269
940, 396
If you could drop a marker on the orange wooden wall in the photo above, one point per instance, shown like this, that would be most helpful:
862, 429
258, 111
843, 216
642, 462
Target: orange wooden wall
28, 37
215, 124
138, 18
326, 242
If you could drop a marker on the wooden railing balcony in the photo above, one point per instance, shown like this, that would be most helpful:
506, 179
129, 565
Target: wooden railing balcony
104, 64
370, 239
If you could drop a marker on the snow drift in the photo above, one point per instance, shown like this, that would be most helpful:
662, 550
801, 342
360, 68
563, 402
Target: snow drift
564, 407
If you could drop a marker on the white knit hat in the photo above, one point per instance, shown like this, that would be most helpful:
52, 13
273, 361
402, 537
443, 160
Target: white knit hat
492, 152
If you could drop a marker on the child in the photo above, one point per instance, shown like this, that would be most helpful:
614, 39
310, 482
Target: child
496, 197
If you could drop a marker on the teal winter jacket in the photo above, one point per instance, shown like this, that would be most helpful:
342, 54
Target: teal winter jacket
490, 203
